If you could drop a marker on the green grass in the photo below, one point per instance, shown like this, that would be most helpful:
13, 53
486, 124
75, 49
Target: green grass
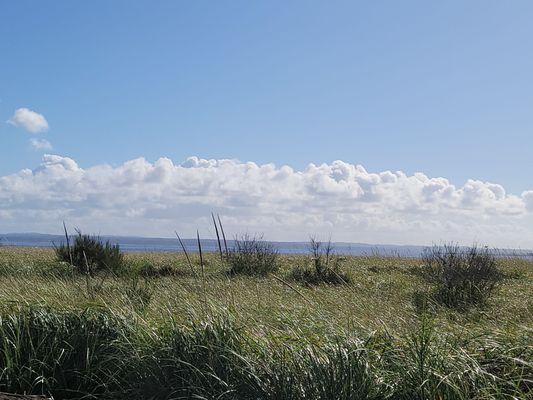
169, 334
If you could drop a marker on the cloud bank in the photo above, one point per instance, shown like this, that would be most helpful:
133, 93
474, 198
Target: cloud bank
338, 199
29, 120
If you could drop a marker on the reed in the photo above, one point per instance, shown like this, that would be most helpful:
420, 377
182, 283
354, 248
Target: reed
189, 263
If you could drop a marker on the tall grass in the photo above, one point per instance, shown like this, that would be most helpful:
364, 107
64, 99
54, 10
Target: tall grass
89, 254
95, 354
324, 266
462, 276
66, 354
155, 335
251, 255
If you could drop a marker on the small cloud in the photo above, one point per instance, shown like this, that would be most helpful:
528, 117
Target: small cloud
29, 120
40, 144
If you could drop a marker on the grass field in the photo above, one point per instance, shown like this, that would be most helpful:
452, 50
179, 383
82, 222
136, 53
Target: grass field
162, 330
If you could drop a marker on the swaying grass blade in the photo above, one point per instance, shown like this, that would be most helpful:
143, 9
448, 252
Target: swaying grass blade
218, 237
186, 253
223, 234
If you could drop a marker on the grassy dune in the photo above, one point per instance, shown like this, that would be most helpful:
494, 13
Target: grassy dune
160, 330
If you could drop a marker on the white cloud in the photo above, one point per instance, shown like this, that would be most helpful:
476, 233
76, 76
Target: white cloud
40, 144
341, 199
29, 120
528, 199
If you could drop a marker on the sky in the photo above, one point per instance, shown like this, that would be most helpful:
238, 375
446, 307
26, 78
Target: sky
380, 122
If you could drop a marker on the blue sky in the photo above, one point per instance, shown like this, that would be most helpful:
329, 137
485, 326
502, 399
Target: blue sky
444, 88
440, 87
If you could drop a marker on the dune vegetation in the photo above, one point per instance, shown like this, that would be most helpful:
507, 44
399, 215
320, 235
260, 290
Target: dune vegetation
317, 326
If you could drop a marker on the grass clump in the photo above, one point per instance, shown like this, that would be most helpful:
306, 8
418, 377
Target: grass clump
206, 360
149, 270
325, 266
462, 276
139, 292
340, 370
88, 254
64, 353
253, 256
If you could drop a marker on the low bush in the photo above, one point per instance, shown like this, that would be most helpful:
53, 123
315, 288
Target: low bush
251, 255
323, 267
89, 254
461, 276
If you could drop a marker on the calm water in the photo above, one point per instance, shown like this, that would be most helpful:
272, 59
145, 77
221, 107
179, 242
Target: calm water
138, 244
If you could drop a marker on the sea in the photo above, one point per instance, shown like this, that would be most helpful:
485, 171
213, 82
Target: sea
153, 244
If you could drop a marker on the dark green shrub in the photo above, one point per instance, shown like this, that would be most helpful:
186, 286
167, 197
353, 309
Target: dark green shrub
252, 256
325, 266
89, 254
461, 276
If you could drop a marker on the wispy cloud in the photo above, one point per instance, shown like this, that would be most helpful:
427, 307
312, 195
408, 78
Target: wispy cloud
341, 199
40, 144
29, 120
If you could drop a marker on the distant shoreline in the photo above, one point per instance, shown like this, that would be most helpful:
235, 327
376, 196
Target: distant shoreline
136, 244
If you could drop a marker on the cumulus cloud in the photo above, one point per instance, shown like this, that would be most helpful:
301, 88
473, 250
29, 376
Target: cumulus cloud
345, 200
29, 120
528, 199
40, 144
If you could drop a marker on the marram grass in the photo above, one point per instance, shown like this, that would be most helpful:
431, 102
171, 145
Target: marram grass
171, 335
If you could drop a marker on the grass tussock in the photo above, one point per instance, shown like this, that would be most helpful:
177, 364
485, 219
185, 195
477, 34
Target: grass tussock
67, 354
139, 292
252, 256
323, 266
462, 277
88, 254
149, 270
